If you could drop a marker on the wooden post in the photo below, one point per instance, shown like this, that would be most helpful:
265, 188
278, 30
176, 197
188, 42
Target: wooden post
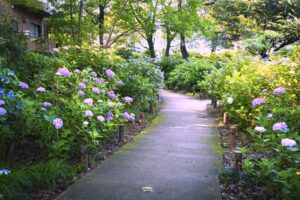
225, 120
121, 133
214, 102
142, 119
151, 109
84, 157
238, 159
232, 134
157, 96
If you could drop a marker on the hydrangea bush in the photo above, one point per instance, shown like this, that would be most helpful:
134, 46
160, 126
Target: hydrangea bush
265, 103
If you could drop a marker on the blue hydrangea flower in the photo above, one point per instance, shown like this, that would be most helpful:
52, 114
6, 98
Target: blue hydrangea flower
6, 80
11, 94
4, 172
11, 73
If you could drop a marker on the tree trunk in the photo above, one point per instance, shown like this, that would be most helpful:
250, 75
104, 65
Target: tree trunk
169, 40
101, 25
183, 50
72, 21
80, 22
151, 46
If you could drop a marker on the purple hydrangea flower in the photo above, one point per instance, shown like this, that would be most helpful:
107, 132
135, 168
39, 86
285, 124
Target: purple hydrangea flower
77, 71
82, 86
132, 117
280, 126
2, 102
96, 90
23, 85
120, 83
110, 73
47, 104
257, 102
280, 90
55, 50
128, 99
101, 118
88, 113
2, 111
126, 115
89, 101
41, 89
112, 94
109, 116
63, 72
288, 142
100, 81
94, 74
58, 123
81, 93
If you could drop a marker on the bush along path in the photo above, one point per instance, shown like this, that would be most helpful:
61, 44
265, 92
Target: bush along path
172, 159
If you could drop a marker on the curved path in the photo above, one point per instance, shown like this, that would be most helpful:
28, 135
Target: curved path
175, 157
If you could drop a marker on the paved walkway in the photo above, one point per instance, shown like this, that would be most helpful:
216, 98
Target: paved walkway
175, 157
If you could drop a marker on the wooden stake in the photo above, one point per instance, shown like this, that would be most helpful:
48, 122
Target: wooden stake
232, 134
142, 119
225, 120
238, 159
84, 157
151, 109
121, 133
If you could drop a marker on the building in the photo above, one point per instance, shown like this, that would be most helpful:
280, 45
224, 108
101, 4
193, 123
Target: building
31, 21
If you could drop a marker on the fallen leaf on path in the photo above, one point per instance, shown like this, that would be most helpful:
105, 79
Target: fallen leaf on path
147, 189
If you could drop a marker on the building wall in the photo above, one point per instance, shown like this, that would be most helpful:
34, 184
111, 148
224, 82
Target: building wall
24, 17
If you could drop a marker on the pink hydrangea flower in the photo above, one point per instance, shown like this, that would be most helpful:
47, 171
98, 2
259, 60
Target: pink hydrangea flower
89, 101
58, 123
288, 142
128, 99
111, 104
81, 93
41, 89
96, 90
280, 126
101, 118
260, 129
88, 113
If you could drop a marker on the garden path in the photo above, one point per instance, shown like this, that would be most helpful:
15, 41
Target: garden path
175, 157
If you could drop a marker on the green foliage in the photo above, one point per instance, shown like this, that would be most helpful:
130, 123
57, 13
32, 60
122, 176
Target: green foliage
188, 74
21, 181
168, 64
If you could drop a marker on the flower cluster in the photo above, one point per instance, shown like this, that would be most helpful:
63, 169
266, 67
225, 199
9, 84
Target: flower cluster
110, 73
128, 99
260, 129
280, 90
3, 111
89, 101
58, 123
112, 94
4, 172
280, 126
41, 89
288, 142
130, 117
23, 85
257, 102
63, 72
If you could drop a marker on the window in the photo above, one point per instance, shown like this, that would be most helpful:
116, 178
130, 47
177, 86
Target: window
35, 30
